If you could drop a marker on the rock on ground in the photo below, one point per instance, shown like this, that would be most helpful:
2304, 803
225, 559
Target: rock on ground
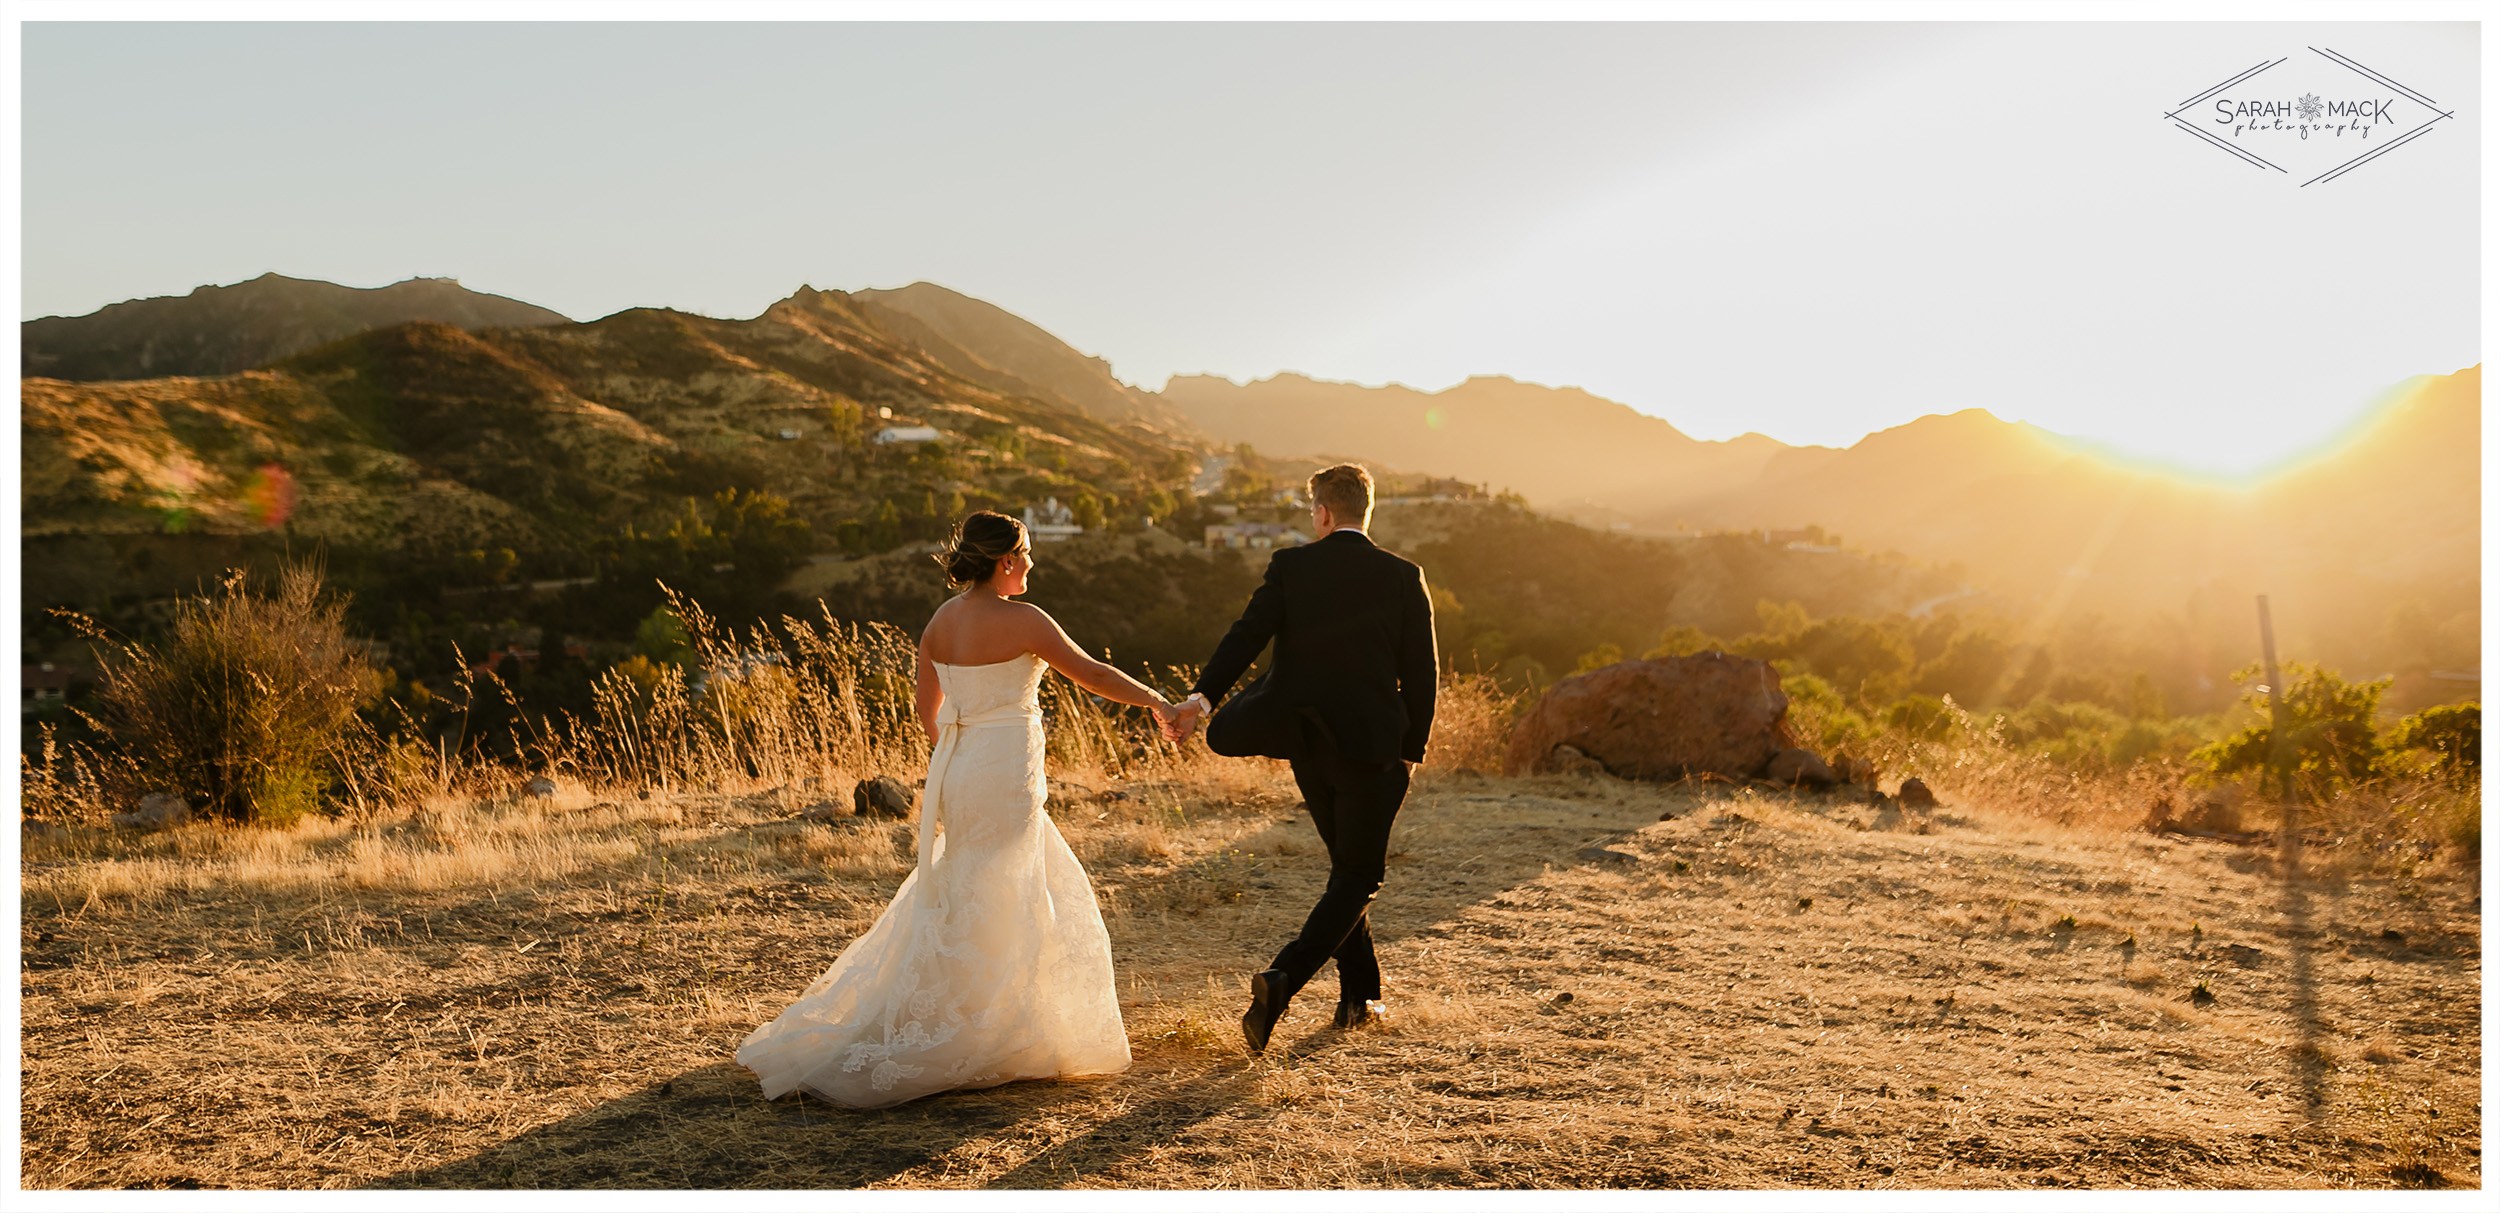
1662, 719
883, 796
1801, 768
156, 811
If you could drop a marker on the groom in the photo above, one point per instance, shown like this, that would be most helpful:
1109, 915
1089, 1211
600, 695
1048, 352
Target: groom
1348, 701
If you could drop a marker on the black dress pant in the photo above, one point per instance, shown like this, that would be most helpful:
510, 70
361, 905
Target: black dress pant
1353, 803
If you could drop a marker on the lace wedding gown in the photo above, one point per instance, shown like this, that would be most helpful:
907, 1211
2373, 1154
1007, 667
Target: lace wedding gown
991, 964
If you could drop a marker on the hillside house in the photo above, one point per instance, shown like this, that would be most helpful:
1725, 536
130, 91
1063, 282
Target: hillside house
1254, 536
895, 434
1050, 521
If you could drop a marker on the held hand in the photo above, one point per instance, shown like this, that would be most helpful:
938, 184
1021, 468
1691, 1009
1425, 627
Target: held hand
1182, 721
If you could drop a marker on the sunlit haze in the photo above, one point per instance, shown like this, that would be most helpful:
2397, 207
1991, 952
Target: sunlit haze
1812, 231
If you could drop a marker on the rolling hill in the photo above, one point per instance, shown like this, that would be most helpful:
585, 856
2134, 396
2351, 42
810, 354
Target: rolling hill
1561, 448
219, 330
425, 440
988, 344
2384, 524
415, 442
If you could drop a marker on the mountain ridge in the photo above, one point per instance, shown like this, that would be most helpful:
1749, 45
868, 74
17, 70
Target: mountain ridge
224, 329
983, 341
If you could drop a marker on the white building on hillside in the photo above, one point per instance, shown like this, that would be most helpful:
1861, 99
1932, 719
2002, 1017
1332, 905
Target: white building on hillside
906, 433
1050, 521
1257, 536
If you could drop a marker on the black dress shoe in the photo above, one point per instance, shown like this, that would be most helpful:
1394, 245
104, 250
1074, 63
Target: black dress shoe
1368, 1013
1267, 1005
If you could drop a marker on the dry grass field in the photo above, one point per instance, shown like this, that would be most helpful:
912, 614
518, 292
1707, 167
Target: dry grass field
1597, 984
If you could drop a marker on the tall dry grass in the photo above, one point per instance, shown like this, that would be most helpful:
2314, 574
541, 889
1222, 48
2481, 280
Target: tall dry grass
764, 706
1471, 719
812, 701
2400, 819
821, 703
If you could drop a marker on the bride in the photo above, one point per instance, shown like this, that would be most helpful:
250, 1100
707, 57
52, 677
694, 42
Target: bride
991, 964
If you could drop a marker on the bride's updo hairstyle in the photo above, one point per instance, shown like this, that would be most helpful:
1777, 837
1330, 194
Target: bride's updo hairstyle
979, 542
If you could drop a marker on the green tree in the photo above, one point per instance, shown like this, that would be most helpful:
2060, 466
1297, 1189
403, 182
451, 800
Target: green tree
1781, 620
487, 566
1969, 669
661, 636
756, 531
1682, 640
2326, 723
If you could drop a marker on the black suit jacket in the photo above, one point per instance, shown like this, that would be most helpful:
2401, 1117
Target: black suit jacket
1352, 624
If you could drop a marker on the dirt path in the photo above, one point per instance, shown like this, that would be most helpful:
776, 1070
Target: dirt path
1755, 993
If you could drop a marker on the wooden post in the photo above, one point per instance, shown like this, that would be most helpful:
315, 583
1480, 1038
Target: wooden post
2279, 754
2278, 743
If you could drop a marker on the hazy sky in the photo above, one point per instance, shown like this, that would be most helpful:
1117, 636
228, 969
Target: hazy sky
1808, 230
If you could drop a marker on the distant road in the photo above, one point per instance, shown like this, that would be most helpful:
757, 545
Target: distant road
1920, 611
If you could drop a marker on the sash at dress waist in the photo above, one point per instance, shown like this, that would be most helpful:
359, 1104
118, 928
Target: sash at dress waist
951, 724
1011, 713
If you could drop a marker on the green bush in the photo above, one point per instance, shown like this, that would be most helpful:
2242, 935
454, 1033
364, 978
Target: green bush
1599, 658
248, 707
2451, 733
1820, 719
1923, 718
2327, 726
2146, 739
2067, 725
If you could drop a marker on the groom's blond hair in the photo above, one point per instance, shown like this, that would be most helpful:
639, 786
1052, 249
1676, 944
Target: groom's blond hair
1346, 490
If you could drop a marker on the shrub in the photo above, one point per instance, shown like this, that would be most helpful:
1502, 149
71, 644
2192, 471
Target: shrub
1923, 718
248, 707
2451, 732
1820, 719
2327, 728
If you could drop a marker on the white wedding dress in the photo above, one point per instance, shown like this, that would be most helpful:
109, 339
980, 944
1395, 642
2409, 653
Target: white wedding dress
991, 964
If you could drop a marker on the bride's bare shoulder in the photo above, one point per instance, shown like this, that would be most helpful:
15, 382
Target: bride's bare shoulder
1026, 616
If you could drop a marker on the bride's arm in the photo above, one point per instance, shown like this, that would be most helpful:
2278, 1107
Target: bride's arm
1052, 645
925, 693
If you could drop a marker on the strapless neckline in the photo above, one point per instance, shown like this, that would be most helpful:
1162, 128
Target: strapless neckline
982, 666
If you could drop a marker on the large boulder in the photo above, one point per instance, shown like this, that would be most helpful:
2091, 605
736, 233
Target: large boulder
1664, 718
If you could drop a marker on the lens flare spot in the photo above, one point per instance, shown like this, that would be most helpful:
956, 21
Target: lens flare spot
182, 475
1433, 419
270, 496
